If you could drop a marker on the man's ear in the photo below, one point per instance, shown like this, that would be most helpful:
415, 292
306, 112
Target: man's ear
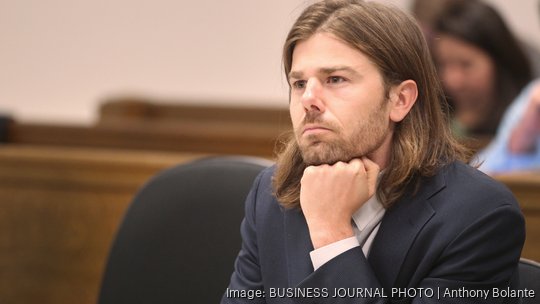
402, 98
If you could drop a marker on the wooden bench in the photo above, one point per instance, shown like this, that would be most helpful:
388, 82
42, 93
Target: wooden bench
165, 127
59, 210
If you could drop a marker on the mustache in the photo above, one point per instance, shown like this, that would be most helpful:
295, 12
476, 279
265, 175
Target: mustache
313, 117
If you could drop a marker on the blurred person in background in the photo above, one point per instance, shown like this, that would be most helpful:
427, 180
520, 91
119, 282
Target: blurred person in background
481, 64
524, 137
517, 143
426, 12
516, 146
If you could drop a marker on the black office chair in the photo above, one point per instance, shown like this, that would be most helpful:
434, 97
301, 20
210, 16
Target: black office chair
180, 236
529, 278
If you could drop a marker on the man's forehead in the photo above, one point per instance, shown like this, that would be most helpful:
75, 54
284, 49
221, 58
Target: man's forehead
324, 51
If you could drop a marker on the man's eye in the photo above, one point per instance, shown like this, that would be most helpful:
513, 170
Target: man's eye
336, 79
299, 84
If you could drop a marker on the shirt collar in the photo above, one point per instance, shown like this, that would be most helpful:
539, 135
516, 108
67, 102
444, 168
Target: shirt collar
369, 212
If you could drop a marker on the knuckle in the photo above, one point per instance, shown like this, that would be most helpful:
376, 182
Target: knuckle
309, 170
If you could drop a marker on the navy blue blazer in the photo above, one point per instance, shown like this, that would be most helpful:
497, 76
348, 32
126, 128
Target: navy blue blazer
461, 231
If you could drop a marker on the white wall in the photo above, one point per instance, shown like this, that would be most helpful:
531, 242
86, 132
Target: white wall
60, 58
523, 17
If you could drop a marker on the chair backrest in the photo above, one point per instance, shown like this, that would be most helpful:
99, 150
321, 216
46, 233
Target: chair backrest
180, 236
529, 278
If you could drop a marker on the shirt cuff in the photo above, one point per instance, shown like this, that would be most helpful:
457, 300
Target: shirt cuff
324, 254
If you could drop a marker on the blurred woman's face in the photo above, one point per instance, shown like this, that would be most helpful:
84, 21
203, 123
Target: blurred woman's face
468, 76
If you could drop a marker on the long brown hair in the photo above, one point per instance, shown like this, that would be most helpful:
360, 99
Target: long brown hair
422, 142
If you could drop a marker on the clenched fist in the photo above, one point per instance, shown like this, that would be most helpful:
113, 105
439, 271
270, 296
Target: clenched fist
330, 194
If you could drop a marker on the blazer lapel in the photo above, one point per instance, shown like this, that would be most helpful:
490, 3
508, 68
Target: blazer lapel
298, 245
399, 228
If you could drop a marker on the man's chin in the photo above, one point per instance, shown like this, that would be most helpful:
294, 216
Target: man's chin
317, 158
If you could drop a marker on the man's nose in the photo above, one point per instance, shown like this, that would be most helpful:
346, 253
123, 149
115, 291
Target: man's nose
312, 97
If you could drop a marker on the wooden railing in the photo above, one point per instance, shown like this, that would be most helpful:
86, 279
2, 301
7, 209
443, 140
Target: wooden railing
163, 127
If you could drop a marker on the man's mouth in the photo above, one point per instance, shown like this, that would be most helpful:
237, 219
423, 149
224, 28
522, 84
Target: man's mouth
311, 129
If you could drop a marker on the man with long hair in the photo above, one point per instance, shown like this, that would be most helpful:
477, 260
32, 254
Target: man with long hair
371, 199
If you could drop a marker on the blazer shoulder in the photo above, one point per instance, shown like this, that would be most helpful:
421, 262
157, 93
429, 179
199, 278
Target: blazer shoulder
262, 198
469, 188
263, 183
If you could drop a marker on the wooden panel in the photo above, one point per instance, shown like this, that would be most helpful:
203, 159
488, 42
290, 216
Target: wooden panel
55, 249
526, 188
150, 110
183, 137
167, 127
59, 210
531, 249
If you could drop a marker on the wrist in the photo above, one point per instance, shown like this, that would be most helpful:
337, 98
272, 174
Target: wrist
323, 235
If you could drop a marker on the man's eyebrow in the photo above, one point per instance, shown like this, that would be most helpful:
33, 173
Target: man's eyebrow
330, 70
324, 71
295, 75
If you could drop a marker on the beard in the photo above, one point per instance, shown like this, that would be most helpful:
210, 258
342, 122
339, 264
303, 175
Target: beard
367, 136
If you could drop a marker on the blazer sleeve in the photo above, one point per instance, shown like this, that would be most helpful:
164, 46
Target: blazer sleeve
246, 282
483, 256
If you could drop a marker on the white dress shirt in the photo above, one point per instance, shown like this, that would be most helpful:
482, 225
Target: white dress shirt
366, 220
